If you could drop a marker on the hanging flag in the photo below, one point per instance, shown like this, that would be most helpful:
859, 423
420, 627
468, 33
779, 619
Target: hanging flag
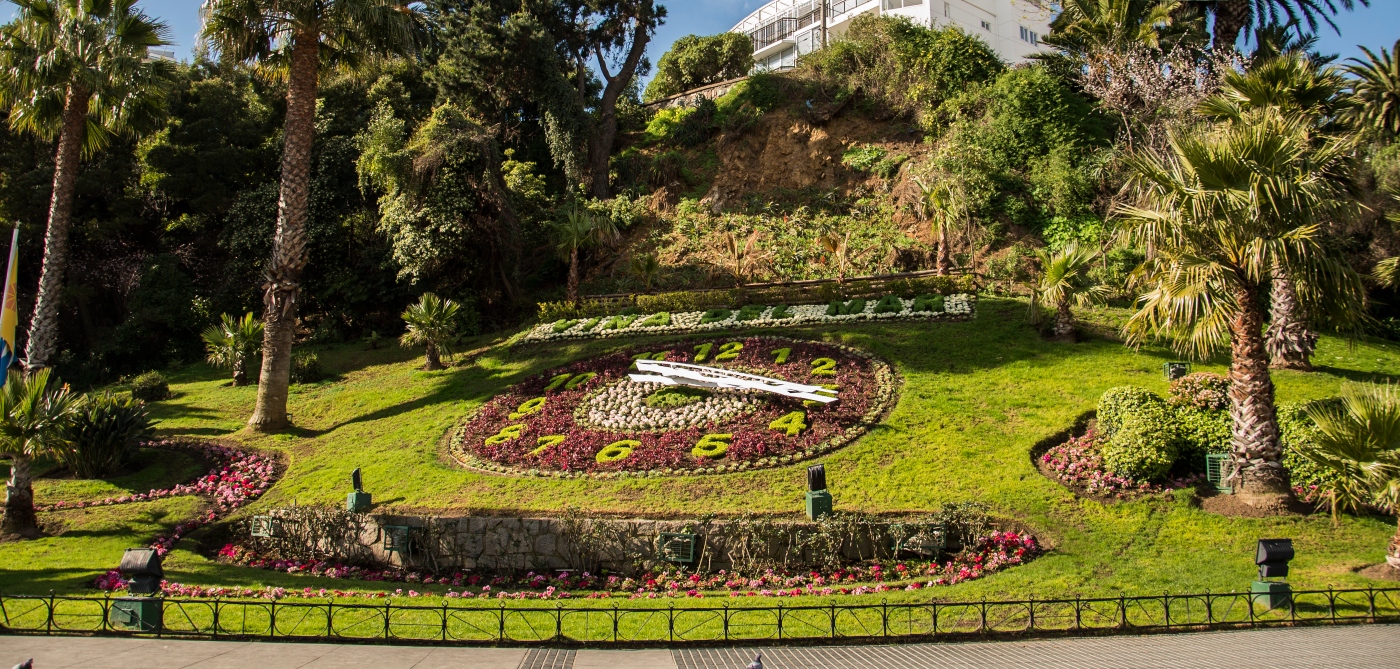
9, 310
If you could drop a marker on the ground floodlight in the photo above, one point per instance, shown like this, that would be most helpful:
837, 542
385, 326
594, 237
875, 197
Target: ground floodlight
1272, 557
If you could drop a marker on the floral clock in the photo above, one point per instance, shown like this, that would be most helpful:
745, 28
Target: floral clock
590, 418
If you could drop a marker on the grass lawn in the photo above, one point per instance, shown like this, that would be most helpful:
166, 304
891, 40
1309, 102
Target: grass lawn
976, 397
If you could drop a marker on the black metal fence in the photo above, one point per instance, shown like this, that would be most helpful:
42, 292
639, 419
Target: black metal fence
575, 622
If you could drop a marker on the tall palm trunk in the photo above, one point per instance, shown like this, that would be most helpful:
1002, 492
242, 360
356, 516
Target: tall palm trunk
573, 276
19, 499
240, 372
1289, 341
1256, 451
283, 273
1064, 321
1231, 17
43, 327
943, 261
434, 360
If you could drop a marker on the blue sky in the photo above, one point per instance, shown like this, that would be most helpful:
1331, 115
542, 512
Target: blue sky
1376, 26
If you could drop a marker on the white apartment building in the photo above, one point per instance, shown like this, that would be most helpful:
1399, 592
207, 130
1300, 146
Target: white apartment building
784, 29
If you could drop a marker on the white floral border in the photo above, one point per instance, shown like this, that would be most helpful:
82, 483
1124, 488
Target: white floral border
954, 306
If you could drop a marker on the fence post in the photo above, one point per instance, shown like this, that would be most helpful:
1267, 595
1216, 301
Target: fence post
558, 621
1167, 609
1250, 600
1078, 613
48, 624
1122, 613
780, 621
1371, 605
726, 621
935, 619
982, 626
1332, 605
330, 614
107, 609
386, 618
1210, 612
216, 617
616, 613
444, 620
1030, 603
501, 635
272, 619
833, 619
671, 623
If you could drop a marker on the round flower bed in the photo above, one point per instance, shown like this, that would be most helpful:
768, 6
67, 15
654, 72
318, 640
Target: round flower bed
590, 419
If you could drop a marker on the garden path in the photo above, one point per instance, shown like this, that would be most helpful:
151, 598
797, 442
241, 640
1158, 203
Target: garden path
1353, 647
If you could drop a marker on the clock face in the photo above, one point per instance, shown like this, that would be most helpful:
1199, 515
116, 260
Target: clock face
591, 417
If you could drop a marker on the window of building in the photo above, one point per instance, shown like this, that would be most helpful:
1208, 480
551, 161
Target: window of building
986, 25
1027, 35
947, 9
896, 4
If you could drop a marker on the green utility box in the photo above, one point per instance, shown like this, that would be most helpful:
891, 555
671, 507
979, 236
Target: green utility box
1218, 471
142, 614
818, 504
1272, 595
358, 501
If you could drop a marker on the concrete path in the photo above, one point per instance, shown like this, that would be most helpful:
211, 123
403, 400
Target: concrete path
1351, 647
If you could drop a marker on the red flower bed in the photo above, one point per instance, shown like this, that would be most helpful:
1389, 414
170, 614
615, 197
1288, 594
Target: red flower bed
507, 434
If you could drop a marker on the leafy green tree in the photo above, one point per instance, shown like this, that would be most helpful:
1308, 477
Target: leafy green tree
432, 324
299, 38
1065, 282
1376, 90
33, 420
76, 71
696, 61
232, 345
618, 33
1220, 212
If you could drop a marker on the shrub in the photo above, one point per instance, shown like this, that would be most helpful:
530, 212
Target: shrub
1298, 431
1146, 444
103, 434
306, 367
1202, 390
150, 387
694, 61
863, 158
1143, 433
1202, 432
1118, 402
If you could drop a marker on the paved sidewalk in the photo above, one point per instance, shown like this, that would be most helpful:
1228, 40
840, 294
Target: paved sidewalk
1351, 647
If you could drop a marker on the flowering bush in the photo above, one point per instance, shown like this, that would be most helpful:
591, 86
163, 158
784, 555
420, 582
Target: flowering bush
987, 555
562, 422
1202, 390
891, 307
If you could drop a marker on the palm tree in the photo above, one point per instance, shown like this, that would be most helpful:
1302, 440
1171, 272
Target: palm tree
941, 206
1219, 212
1295, 85
646, 267
579, 230
77, 71
233, 343
1064, 281
1376, 90
838, 249
33, 420
297, 39
1233, 16
1085, 26
1359, 441
432, 324
740, 259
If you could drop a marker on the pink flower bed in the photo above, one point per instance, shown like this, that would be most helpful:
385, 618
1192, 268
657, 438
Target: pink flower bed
1077, 462
237, 478
865, 389
988, 555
